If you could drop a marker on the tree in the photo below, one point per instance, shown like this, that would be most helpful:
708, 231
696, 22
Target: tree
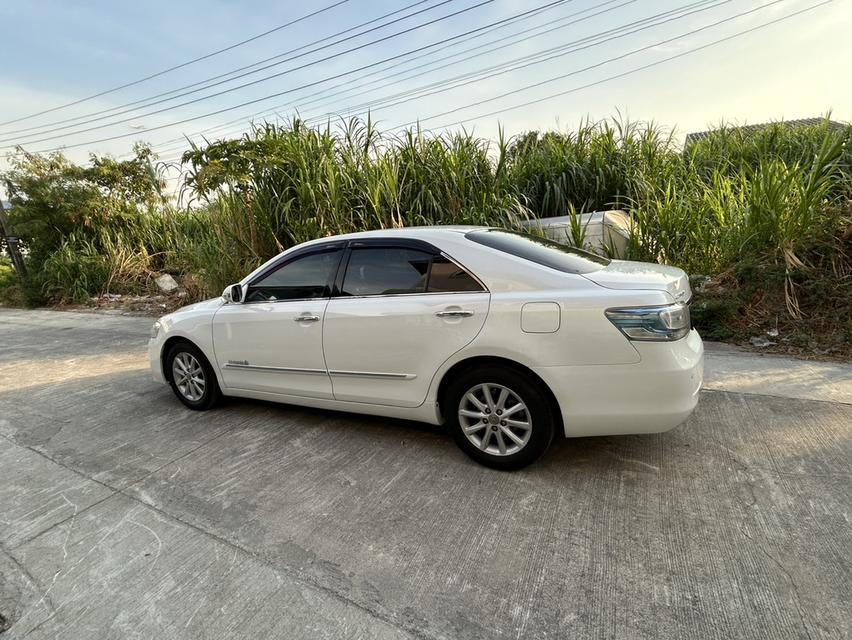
52, 197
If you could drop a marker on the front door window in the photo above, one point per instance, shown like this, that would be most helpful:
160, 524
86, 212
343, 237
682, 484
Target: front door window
302, 278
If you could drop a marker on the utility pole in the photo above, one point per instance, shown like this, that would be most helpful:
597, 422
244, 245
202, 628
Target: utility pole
12, 244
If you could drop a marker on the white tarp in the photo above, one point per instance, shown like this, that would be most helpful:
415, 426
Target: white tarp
604, 232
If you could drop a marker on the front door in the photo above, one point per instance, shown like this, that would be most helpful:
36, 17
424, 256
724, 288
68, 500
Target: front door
272, 341
400, 313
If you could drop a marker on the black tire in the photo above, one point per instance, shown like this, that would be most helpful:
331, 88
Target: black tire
539, 414
211, 393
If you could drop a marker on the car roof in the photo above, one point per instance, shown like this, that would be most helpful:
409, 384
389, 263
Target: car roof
495, 268
422, 233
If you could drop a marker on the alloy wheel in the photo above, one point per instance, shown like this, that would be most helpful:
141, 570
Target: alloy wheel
495, 419
188, 376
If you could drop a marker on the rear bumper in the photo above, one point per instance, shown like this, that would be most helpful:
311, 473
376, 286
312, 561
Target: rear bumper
654, 395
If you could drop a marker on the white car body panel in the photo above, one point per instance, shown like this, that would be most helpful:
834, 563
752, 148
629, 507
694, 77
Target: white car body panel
392, 363
651, 396
192, 322
603, 383
626, 274
285, 352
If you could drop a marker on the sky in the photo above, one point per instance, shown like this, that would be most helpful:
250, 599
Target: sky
446, 63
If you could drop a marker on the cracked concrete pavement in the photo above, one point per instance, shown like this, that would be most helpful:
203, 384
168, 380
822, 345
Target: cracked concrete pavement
122, 514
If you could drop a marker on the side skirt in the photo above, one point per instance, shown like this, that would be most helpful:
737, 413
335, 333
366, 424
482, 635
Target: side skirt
427, 412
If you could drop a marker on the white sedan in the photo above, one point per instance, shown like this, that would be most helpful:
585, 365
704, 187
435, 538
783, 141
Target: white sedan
506, 338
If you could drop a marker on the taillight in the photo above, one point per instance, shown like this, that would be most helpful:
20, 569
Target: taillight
660, 324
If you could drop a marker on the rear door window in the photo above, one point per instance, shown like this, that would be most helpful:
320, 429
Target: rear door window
385, 271
375, 271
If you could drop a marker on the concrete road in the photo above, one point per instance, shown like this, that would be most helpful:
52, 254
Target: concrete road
122, 514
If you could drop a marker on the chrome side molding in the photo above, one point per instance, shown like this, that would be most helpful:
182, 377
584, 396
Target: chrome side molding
257, 367
333, 372
373, 374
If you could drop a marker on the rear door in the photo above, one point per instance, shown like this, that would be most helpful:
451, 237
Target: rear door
400, 309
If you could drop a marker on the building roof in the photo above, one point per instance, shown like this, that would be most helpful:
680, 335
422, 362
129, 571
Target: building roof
802, 122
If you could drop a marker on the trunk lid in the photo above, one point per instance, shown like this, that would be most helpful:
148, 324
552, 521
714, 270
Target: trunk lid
626, 274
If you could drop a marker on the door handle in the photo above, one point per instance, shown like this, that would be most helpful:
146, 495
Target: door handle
460, 313
306, 318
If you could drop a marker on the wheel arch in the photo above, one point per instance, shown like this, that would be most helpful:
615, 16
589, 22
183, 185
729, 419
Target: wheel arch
483, 361
168, 344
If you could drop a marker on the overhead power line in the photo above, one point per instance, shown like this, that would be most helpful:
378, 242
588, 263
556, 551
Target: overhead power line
358, 80
390, 71
656, 44
267, 78
178, 66
546, 55
209, 82
291, 90
586, 42
542, 56
618, 75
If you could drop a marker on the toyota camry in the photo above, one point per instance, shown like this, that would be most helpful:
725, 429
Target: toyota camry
508, 339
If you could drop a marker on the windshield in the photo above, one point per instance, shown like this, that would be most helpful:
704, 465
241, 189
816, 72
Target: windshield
539, 250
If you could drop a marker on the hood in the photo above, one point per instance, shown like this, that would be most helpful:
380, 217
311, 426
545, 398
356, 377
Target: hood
626, 274
211, 304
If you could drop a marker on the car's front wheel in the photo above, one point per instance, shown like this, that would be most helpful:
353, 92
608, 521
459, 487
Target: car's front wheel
191, 376
499, 417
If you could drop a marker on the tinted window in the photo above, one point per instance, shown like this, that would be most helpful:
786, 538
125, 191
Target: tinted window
309, 276
448, 276
385, 271
539, 250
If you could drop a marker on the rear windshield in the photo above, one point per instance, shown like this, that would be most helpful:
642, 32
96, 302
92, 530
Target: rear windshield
539, 250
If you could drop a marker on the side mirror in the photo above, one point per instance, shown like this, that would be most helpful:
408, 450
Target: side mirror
233, 293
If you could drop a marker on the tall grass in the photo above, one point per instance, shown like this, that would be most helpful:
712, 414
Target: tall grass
778, 195
601, 165
282, 185
769, 195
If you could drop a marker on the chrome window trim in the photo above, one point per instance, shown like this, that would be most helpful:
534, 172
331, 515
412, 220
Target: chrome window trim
286, 300
397, 295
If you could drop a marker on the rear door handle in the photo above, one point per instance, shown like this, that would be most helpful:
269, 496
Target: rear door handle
306, 318
460, 313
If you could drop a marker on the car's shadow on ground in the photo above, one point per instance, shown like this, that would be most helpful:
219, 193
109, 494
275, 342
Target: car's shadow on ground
87, 423
597, 452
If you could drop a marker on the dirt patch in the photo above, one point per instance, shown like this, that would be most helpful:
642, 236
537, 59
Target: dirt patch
131, 305
751, 307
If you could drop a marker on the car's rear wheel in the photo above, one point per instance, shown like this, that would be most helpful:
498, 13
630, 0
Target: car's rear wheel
191, 377
499, 417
